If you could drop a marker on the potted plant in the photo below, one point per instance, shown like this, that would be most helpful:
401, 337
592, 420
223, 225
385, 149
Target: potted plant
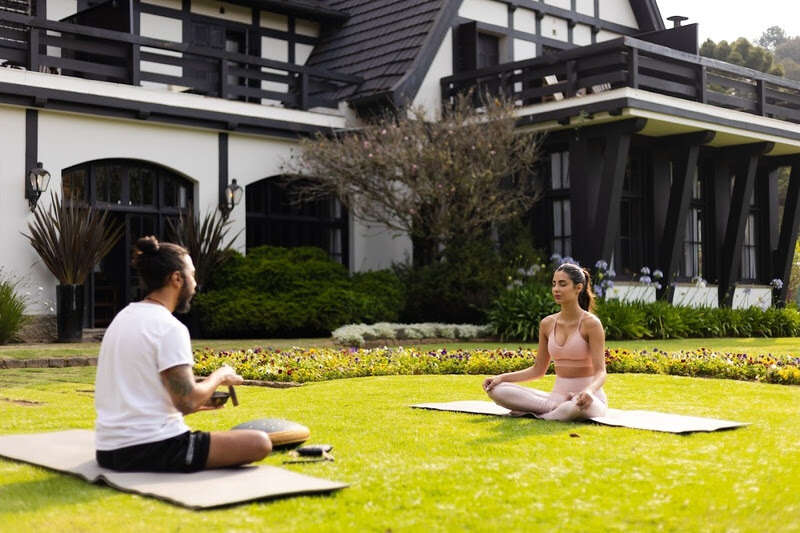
71, 239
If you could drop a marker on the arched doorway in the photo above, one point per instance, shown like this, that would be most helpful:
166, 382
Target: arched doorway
273, 219
141, 196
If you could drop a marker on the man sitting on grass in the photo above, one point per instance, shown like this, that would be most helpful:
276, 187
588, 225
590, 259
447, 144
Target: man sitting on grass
145, 382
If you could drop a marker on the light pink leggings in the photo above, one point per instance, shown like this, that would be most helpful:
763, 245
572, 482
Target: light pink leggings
554, 405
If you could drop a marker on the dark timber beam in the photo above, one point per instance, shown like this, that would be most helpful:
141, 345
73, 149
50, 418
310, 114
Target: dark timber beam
606, 219
31, 147
737, 218
687, 148
719, 204
597, 157
582, 166
223, 170
789, 227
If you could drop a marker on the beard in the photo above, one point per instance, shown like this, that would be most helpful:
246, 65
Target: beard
184, 299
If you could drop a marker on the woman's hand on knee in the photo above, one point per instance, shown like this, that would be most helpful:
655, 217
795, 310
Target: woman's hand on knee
491, 383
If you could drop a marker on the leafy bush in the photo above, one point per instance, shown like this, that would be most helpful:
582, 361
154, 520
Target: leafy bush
623, 321
517, 312
457, 289
280, 292
12, 309
315, 364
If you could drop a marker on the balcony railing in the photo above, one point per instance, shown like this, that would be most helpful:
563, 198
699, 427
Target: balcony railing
99, 54
629, 62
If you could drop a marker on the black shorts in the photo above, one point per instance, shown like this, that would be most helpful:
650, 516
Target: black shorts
187, 452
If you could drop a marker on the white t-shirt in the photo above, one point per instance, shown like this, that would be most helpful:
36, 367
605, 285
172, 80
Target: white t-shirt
133, 406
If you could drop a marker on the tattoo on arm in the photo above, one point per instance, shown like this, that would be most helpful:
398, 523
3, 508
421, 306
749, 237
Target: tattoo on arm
179, 381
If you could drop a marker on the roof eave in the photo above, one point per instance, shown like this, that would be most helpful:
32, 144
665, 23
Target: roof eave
308, 10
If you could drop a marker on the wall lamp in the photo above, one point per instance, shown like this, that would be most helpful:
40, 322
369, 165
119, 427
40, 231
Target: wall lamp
36, 183
231, 198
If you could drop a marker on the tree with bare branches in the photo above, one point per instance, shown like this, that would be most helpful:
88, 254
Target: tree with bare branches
439, 182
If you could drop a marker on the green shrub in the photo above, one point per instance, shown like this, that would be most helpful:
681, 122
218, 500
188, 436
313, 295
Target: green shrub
12, 310
457, 289
295, 292
623, 321
516, 314
665, 321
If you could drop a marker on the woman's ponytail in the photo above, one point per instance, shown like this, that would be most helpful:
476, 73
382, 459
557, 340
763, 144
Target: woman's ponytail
586, 297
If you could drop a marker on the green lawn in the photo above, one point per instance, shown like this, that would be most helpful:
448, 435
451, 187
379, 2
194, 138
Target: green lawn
778, 346
414, 470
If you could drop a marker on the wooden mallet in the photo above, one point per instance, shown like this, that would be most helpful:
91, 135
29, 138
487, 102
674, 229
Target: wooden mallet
232, 393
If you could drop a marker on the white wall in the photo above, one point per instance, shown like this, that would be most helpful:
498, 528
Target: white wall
66, 140
618, 11
555, 28
60, 9
251, 159
585, 7
17, 258
485, 11
604, 35
213, 8
429, 95
525, 20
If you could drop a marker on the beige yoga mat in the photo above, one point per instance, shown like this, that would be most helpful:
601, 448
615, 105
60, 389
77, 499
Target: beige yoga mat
650, 420
73, 452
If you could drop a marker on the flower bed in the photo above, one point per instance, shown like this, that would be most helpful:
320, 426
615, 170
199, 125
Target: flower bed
320, 364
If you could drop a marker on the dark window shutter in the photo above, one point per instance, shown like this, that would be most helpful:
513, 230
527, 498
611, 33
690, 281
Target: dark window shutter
466, 47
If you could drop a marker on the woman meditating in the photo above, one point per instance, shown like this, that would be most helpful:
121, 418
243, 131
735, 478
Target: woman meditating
574, 339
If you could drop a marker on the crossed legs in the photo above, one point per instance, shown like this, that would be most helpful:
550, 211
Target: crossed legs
549, 406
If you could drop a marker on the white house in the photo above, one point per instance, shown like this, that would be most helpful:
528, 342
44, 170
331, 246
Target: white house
145, 107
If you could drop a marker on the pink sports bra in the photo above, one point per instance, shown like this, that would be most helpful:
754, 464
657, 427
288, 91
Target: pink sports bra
574, 353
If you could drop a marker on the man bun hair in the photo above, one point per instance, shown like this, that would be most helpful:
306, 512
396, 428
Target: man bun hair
148, 245
156, 261
580, 275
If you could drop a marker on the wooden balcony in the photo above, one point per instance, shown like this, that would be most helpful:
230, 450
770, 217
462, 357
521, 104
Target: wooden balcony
630, 62
99, 54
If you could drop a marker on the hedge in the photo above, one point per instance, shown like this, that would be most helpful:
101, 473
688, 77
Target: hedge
292, 292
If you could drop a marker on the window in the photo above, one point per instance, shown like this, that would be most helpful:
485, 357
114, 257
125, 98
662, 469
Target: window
559, 192
630, 250
693, 238
273, 218
749, 266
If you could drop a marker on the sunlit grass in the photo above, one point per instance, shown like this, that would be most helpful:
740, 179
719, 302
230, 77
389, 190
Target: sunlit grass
415, 470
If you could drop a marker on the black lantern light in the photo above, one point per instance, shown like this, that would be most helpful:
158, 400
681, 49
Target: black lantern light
231, 198
36, 183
